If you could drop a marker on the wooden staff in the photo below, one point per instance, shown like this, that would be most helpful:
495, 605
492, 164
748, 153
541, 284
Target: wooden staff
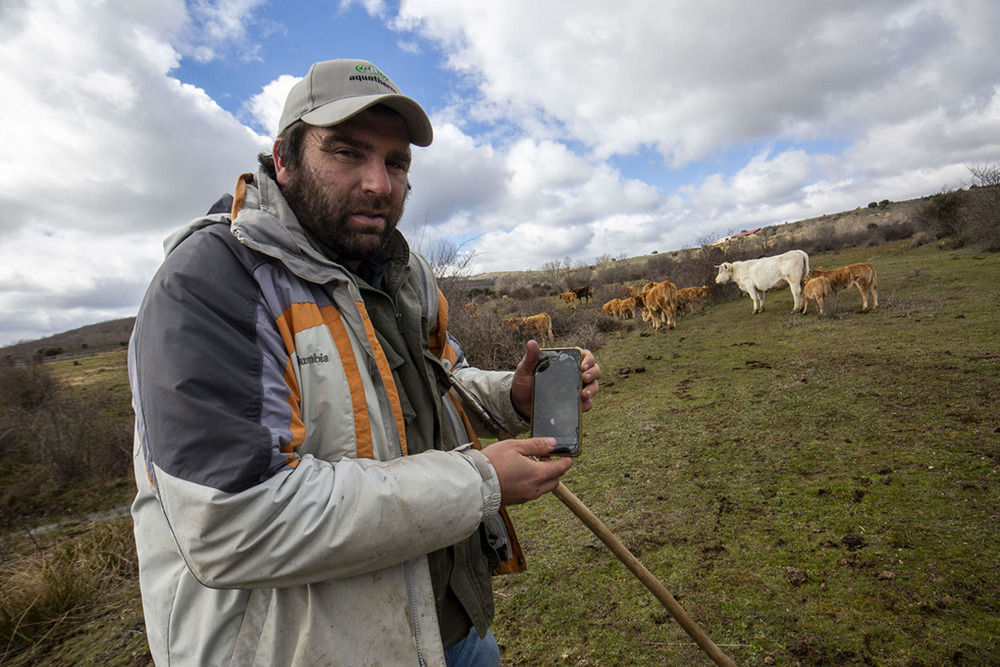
645, 576
617, 548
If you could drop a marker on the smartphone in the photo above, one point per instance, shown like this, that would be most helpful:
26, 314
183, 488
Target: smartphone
556, 410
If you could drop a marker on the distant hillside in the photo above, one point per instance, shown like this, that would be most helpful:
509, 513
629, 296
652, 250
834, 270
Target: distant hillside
114, 334
89, 339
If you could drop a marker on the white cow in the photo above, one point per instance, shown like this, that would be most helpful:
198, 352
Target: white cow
757, 276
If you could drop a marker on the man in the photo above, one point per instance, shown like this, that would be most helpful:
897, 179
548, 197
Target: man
306, 491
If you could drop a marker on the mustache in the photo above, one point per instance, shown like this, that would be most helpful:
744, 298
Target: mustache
370, 202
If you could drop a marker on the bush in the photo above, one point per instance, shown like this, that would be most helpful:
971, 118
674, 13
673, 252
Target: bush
39, 594
941, 214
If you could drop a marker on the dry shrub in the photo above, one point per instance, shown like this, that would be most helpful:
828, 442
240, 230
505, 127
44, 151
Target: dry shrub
83, 436
57, 438
41, 593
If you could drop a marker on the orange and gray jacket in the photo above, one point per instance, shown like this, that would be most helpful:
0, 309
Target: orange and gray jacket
282, 516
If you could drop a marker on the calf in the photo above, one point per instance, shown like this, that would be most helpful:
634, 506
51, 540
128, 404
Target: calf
660, 305
582, 292
687, 297
820, 290
757, 276
568, 297
861, 275
626, 307
540, 324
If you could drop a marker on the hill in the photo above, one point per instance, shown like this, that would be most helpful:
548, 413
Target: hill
83, 341
878, 221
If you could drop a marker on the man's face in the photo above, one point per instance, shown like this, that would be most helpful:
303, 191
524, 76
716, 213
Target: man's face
350, 184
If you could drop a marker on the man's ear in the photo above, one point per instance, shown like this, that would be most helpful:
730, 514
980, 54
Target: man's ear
280, 165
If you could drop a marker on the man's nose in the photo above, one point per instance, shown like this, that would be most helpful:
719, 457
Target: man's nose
376, 178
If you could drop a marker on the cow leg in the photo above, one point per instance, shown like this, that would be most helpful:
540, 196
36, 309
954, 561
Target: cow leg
797, 298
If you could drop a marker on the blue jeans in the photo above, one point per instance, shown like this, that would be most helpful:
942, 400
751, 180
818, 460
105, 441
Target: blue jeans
474, 651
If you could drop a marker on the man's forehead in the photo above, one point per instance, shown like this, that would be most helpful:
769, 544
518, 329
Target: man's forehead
379, 123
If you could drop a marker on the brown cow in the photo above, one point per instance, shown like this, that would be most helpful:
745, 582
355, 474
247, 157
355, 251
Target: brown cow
626, 307
861, 275
611, 308
820, 290
540, 324
582, 292
569, 297
687, 297
660, 303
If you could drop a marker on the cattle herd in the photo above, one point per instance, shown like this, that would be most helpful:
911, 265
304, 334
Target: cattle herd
659, 303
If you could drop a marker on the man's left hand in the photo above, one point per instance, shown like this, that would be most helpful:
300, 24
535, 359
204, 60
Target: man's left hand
520, 389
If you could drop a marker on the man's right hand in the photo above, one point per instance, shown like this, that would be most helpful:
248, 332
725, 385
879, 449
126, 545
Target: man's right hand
522, 476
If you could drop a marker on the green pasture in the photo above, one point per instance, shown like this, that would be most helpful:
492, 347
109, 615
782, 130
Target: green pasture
812, 491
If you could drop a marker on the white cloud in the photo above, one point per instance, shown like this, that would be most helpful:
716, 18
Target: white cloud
721, 115
108, 152
265, 107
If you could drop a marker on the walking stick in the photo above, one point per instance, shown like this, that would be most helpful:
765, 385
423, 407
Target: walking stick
597, 527
645, 576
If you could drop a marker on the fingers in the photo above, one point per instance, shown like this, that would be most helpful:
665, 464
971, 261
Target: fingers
590, 372
522, 475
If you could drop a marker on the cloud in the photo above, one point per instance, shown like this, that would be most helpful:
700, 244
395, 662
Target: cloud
108, 151
832, 105
694, 79
578, 129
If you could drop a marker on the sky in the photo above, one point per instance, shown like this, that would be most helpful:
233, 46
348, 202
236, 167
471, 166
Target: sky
564, 131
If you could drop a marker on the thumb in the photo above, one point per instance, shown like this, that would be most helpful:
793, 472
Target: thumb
530, 359
537, 446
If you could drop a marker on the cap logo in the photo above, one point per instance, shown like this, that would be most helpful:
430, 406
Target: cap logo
372, 73
370, 69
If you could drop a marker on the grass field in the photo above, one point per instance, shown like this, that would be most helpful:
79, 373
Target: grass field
812, 491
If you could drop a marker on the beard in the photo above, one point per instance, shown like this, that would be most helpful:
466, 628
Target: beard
326, 213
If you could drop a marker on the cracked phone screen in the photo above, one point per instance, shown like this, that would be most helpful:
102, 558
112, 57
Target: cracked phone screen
556, 409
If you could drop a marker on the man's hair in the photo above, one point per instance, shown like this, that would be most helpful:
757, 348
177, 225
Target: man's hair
290, 145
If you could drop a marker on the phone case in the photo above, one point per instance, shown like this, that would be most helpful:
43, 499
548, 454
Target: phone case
556, 404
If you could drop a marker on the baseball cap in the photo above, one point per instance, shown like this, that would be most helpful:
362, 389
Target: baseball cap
335, 90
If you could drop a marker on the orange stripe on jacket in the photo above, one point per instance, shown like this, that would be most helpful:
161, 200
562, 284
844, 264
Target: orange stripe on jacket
359, 405
300, 317
386, 373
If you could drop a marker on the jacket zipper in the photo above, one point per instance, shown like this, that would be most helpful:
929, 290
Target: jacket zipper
411, 599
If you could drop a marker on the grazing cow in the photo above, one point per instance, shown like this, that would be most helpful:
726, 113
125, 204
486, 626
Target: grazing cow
626, 307
582, 292
472, 308
757, 276
568, 297
861, 275
540, 324
687, 297
611, 308
820, 290
660, 305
